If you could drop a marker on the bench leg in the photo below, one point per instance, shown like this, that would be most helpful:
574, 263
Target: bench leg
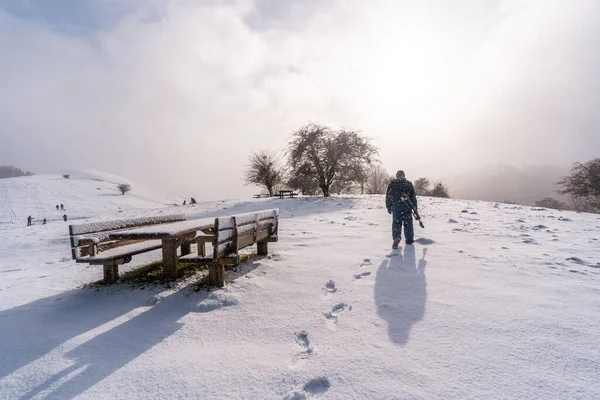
262, 248
111, 273
216, 274
201, 249
170, 262
186, 248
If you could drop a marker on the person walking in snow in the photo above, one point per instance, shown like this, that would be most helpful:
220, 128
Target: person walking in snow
192, 201
29, 220
57, 207
184, 202
400, 193
65, 217
44, 221
62, 206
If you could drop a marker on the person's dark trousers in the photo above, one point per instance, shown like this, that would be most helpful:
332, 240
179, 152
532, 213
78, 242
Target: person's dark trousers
402, 216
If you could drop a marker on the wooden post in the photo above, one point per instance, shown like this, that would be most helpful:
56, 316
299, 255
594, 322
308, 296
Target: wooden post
186, 248
262, 248
111, 273
170, 262
216, 274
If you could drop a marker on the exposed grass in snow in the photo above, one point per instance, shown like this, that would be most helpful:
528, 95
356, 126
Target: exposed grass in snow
152, 274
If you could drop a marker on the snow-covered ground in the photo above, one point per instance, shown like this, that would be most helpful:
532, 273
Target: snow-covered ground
84, 194
493, 302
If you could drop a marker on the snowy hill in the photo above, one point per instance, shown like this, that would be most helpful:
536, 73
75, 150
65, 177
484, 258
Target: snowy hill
85, 194
492, 302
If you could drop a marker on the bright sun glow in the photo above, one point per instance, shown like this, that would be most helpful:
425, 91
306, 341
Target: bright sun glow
406, 78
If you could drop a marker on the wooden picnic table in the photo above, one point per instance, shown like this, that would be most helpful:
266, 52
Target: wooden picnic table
286, 193
172, 235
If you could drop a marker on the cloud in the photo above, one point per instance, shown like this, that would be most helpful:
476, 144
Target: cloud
178, 93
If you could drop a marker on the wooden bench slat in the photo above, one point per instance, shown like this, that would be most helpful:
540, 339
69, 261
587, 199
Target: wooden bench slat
245, 241
192, 258
123, 251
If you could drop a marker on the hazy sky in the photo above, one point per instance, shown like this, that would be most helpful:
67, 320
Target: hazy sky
176, 94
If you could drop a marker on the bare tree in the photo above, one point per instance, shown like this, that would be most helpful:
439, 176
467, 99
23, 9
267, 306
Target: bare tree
422, 187
357, 176
344, 186
583, 185
327, 156
306, 184
124, 187
351, 180
264, 170
378, 179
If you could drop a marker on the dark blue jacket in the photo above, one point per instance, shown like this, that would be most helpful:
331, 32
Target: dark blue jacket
397, 189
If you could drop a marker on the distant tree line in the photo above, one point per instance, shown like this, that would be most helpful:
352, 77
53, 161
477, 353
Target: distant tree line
549, 202
9, 171
423, 188
321, 160
582, 186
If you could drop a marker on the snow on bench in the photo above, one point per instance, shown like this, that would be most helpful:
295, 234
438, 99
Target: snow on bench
165, 230
85, 233
112, 225
91, 242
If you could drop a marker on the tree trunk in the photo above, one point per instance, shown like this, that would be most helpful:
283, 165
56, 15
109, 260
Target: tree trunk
270, 190
325, 189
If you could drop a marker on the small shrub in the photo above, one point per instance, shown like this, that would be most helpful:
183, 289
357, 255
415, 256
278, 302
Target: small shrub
66, 176
124, 187
549, 202
439, 190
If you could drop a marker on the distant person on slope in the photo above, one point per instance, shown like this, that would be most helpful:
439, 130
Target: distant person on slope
29, 220
192, 201
57, 207
44, 221
62, 206
400, 193
65, 217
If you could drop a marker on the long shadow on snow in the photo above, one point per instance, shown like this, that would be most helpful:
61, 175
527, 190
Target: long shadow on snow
401, 292
32, 330
113, 349
104, 354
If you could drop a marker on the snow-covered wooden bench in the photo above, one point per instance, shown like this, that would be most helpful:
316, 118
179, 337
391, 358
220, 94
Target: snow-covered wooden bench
91, 242
232, 234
